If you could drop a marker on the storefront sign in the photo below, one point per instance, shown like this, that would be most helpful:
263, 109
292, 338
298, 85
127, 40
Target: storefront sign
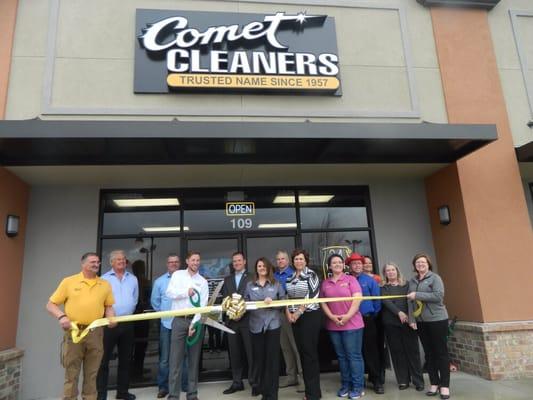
240, 208
184, 51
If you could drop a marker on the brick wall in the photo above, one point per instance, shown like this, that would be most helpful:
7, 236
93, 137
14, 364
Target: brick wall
498, 350
10, 369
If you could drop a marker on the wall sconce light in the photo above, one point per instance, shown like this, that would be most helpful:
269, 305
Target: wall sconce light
444, 215
12, 225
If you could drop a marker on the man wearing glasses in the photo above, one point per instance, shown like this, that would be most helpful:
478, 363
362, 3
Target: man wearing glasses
86, 297
160, 302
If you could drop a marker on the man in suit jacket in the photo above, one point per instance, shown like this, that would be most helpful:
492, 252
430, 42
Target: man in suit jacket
241, 340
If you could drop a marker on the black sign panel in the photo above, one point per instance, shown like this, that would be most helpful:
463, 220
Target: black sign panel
189, 51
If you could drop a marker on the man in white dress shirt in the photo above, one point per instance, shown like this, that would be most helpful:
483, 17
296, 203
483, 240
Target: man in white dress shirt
185, 287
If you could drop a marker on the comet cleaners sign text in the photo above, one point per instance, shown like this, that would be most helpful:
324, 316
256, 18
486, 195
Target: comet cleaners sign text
279, 53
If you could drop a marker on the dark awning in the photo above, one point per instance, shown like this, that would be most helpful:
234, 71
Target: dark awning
524, 153
67, 142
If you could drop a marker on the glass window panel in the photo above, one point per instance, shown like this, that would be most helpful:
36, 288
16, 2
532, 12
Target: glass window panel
315, 243
267, 247
162, 248
129, 246
128, 223
333, 217
331, 208
215, 256
205, 211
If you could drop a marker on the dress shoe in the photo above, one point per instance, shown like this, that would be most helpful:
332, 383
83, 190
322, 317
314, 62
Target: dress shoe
301, 386
419, 388
378, 389
161, 394
403, 386
233, 389
125, 396
430, 393
444, 396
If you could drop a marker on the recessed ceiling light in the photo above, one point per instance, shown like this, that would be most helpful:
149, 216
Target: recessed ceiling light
160, 202
164, 228
277, 226
304, 198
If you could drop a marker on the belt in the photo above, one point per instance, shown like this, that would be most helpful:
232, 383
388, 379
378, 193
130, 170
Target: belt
187, 317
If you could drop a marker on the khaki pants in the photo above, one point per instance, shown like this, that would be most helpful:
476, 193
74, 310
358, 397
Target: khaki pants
88, 352
293, 365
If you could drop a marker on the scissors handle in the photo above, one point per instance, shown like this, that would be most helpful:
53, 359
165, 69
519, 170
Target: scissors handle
195, 298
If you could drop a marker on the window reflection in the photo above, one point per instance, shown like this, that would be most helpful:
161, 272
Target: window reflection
317, 241
117, 223
333, 217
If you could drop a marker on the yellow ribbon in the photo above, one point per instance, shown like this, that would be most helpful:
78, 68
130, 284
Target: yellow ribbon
77, 336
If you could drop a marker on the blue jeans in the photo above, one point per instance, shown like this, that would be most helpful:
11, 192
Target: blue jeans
164, 354
348, 345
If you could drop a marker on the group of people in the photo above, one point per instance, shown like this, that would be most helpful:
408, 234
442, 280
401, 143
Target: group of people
357, 328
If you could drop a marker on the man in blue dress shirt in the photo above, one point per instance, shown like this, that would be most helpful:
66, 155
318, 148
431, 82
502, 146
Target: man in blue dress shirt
372, 354
126, 293
160, 302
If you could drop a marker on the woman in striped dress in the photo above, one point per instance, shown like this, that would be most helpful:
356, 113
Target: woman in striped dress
306, 320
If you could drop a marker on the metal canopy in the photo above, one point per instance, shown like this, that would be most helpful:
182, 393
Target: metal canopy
68, 142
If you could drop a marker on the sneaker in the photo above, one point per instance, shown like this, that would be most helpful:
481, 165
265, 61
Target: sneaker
356, 394
343, 392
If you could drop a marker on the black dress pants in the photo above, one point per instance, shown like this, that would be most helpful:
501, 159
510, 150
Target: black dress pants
266, 349
371, 351
403, 346
306, 333
121, 336
433, 336
240, 343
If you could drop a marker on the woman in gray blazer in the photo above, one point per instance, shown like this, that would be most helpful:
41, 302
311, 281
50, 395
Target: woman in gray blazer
432, 324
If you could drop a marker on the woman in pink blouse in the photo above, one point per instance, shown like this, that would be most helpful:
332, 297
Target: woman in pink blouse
345, 325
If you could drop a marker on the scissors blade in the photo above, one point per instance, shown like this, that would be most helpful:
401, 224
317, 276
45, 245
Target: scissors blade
217, 325
215, 293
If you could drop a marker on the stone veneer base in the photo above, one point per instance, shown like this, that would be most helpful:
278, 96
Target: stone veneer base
494, 350
10, 373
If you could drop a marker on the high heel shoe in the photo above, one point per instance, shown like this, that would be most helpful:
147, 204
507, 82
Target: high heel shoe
431, 393
445, 396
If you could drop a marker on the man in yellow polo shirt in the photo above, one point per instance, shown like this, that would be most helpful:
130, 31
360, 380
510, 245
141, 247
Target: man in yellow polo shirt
86, 297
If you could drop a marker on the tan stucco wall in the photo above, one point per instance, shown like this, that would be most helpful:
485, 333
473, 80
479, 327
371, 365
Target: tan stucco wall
490, 230
13, 199
94, 60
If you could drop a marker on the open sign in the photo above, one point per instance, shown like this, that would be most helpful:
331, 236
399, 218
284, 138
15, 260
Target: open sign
240, 208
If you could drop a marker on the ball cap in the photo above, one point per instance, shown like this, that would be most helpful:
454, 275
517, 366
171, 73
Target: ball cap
354, 257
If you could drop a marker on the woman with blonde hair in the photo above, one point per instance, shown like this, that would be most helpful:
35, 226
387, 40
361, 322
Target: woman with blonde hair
400, 329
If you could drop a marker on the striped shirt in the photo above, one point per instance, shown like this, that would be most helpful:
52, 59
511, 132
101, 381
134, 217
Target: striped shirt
304, 286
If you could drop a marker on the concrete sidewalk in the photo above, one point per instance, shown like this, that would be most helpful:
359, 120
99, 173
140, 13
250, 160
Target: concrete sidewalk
463, 387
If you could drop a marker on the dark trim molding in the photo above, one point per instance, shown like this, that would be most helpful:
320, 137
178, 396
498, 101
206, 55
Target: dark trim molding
484, 4
524, 153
